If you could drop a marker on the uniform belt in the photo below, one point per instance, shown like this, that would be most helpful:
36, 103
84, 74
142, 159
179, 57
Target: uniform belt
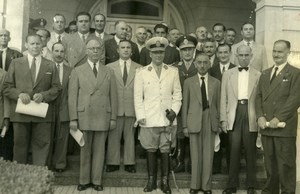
243, 101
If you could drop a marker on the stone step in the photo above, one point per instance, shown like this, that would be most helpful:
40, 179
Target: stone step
122, 178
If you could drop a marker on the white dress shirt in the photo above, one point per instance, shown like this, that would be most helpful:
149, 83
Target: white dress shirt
99, 35
117, 39
226, 66
243, 79
92, 65
38, 60
128, 64
60, 67
206, 83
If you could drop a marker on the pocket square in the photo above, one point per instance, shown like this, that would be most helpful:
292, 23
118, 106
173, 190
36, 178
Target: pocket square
49, 73
285, 80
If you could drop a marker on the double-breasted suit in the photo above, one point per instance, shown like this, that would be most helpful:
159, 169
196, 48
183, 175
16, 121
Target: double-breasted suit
47, 83
241, 126
279, 99
202, 127
112, 55
125, 119
62, 121
259, 59
93, 103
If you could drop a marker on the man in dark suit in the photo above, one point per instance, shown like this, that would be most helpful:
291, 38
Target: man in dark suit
171, 53
6, 56
32, 78
219, 33
124, 70
61, 109
223, 54
100, 22
186, 69
92, 109
209, 48
200, 120
238, 118
278, 99
111, 45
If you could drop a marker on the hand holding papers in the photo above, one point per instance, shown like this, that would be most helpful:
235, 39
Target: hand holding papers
33, 108
78, 136
280, 124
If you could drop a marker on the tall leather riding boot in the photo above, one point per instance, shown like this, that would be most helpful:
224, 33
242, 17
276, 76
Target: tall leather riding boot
165, 188
152, 172
180, 167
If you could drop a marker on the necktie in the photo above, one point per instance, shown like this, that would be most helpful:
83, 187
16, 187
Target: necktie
95, 70
248, 43
223, 70
1, 64
125, 75
243, 68
83, 38
33, 69
58, 71
59, 38
274, 74
203, 93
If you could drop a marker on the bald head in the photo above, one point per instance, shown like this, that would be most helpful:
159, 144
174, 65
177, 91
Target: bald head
4, 38
244, 55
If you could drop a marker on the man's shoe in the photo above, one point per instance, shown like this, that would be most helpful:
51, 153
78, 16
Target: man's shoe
98, 187
194, 191
112, 168
59, 170
130, 168
207, 192
251, 190
229, 191
82, 187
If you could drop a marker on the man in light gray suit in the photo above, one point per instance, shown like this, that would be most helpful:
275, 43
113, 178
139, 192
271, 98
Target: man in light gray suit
93, 109
124, 70
100, 22
259, 59
238, 118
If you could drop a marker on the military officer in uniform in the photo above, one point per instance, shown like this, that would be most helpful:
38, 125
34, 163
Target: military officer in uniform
157, 101
186, 69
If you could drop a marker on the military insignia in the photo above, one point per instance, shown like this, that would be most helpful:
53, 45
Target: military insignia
42, 22
149, 68
158, 43
185, 41
165, 66
180, 63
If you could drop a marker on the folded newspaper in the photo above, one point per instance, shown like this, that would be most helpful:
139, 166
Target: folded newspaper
78, 136
32, 108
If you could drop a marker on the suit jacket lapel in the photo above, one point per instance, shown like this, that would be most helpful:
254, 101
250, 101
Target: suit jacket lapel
251, 83
131, 73
42, 71
210, 89
102, 73
25, 68
65, 76
234, 82
117, 70
8, 57
89, 75
197, 89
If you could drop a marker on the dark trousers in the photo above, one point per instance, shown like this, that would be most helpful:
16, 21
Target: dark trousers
36, 134
7, 144
61, 144
238, 137
280, 163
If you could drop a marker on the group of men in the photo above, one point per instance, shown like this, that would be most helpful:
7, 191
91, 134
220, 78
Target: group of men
177, 88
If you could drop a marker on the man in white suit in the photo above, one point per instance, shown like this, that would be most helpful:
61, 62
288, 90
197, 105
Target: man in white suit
59, 24
157, 91
124, 70
238, 117
259, 59
92, 109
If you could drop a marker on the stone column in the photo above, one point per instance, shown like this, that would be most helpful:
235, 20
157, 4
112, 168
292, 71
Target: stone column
280, 19
14, 16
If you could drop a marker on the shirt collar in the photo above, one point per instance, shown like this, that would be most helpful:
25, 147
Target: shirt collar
246, 42
101, 35
37, 58
117, 39
127, 61
86, 35
280, 67
205, 76
92, 64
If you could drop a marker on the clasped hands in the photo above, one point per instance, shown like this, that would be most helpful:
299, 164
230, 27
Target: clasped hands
74, 125
25, 98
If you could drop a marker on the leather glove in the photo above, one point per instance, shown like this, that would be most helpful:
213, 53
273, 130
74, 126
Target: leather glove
171, 115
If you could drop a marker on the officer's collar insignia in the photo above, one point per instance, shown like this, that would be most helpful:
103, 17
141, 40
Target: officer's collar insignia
149, 68
165, 66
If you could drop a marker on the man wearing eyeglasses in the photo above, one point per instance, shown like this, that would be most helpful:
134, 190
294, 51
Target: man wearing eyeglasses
93, 110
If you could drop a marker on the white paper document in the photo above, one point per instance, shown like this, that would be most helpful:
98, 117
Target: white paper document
33, 108
78, 136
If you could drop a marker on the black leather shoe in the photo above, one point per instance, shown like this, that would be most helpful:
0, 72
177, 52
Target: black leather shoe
194, 191
112, 168
59, 170
98, 187
130, 168
229, 191
251, 191
207, 192
82, 187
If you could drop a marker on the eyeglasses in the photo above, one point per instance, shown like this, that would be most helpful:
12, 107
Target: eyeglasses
94, 48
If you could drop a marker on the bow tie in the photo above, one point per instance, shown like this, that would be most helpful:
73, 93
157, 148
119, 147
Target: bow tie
243, 68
